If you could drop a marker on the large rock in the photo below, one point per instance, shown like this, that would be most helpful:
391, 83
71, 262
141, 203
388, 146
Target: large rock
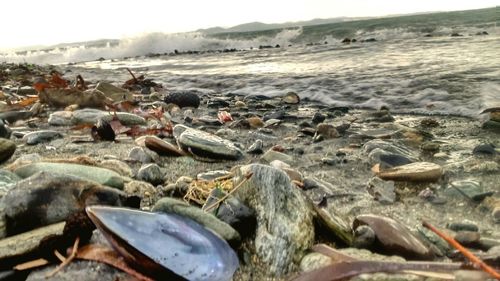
7, 148
171, 205
284, 220
48, 198
183, 98
91, 116
206, 145
96, 174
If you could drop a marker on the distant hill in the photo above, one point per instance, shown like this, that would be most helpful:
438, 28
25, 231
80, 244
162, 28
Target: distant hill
259, 26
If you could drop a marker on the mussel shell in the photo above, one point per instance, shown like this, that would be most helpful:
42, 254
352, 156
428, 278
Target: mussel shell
165, 246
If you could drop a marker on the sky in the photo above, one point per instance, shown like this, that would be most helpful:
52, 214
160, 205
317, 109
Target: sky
35, 22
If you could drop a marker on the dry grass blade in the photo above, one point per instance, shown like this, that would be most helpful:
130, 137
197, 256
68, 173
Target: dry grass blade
247, 177
469, 255
66, 261
106, 255
59, 256
31, 264
199, 190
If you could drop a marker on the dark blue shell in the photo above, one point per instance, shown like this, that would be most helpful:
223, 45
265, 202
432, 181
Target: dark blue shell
166, 245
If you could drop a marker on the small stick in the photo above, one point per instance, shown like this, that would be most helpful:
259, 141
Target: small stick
247, 177
133, 76
475, 260
66, 261
59, 256
31, 264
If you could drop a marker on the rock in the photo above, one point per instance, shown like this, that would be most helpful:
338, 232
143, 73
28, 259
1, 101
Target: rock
284, 221
485, 149
91, 116
205, 145
5, 131
420, 172
150, 173
61, 118
318, 118
463, 226
388, 160
255, 122
162, 147
334, 224
41, 137
118, 166
7, 181
393, 237
291, 98
12, 116
7, 148
380, 116
26, 243
239, 104
382, 191
171, 205
96, 174
375, 148
272, 155
142, 155
114, 93
256, 148
212, 175
139, 188
364, 237
468, 238
47, 198
314, 261
64, 97
471, 189
456, 34
233, 212
183, 99
327, 131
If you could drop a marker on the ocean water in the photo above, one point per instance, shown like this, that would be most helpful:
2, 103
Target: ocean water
403, 69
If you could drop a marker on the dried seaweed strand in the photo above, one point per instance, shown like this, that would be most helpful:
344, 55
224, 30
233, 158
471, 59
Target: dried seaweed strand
475, 260
66, 261
247, 177
31, 264
59, 256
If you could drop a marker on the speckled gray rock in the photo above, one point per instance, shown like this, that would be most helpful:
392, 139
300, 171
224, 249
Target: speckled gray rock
150, 173
90, 116
142, 155
171, 205
7, 148
7, 181
205, 145
47, 198
284, 219
96, 174
41, 137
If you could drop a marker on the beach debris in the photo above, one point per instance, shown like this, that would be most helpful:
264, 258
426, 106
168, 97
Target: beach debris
345, 267
224, 116
139, 83
162, 147
469, 255
291, 98
194, 253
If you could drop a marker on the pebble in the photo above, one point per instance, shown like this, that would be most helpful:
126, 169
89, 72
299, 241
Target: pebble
272, 155
382, 191
420, 172
327, 131
150, 173
206, 145
183, 98
291, 98
7, 148
212, 175
5, 131
471, 189
468, 238
484, 149
96, 174
255, 122
142, 155
318, 117
256, 148
43, 136
115, 93
463, 226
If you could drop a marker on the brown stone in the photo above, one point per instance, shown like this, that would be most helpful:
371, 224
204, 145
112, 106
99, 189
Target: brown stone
419, 171
162, 147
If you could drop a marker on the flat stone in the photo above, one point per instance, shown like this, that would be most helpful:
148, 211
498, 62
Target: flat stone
91, 116
419, 172
284, 219
118, 166
388, 147
463, 226
47, 198
25, 243
115, 93
382, 191
142, 155
42, 136
171, 205
393, 237
471, 189
212, 175
272, 155
7, 148
96, 174
256, 147
206, 145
